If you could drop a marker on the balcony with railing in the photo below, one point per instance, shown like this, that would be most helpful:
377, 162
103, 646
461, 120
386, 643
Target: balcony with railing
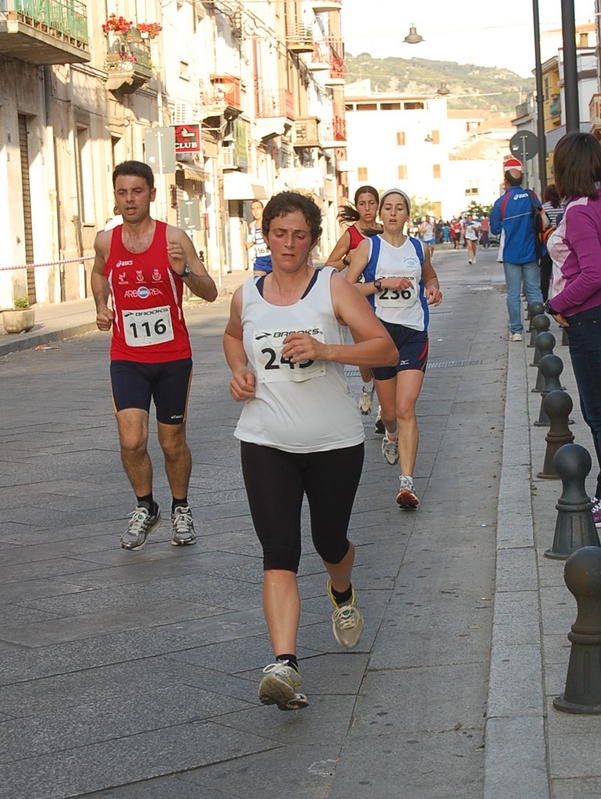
221, 96
306, 132
128, 63
333, 133
276, 103
326, 5
299, 39
44, 31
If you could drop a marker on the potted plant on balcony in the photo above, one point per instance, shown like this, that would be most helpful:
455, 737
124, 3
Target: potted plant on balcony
21, 318
149, 30
115, 24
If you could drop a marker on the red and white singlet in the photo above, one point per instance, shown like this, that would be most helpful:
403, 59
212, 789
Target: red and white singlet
148, 325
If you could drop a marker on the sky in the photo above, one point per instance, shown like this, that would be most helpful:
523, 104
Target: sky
486, 33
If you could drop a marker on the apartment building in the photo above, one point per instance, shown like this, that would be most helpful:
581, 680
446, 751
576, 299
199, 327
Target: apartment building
228, 101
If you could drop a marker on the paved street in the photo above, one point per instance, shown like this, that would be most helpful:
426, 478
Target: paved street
134, 675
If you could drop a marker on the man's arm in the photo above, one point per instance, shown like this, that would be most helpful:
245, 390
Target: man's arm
495, 218
99, 283
180, 252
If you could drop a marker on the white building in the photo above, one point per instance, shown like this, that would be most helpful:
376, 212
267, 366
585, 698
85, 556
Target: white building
415, 142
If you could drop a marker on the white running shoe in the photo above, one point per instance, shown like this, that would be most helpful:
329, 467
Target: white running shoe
347, 621
280, 687
515, 337
366, 401
390, 450
182, 525
407, 497
141, 523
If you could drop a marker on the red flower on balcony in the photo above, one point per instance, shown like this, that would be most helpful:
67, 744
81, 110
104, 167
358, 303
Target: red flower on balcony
115, 24
149, 30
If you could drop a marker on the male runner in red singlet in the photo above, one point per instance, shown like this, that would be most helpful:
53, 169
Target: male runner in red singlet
142, 265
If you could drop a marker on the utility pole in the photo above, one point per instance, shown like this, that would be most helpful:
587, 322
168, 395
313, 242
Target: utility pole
570, 65
540, 102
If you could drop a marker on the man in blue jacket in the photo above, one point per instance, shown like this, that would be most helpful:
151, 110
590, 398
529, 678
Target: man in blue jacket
513, 217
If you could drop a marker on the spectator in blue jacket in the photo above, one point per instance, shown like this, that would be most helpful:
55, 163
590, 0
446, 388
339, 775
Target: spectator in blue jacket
513, 217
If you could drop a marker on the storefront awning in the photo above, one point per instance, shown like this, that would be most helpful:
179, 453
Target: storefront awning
240, 186
193, 172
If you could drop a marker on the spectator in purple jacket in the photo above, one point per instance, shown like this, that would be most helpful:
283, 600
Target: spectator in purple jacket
575, 293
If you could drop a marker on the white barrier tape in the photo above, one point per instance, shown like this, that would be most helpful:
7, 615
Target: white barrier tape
49, 263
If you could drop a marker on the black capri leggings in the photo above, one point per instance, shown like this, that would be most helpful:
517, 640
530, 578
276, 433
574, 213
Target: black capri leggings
275, 484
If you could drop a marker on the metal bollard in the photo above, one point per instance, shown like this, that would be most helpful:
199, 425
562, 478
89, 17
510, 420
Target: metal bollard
534, 309
558, 406
545, 343
540, 324
550, 367
575, 526
582, 575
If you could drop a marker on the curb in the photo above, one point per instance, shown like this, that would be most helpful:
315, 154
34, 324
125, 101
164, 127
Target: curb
515, 725
28, 341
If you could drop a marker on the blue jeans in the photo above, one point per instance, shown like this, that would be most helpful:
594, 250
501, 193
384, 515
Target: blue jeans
513, 277
584, 341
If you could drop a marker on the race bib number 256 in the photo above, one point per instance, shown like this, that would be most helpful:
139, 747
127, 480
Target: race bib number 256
271, 365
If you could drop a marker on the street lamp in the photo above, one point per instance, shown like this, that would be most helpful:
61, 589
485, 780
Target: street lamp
443, 89
413, 37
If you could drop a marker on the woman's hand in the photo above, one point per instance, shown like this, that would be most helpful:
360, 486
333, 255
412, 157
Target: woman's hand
303, 347
561, 320
242, 385
433, 295
398, 283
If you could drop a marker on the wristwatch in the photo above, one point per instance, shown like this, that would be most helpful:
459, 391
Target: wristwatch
548, 309
378, 285
345, 261
187, 271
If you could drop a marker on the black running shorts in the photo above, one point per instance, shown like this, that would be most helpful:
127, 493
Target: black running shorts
413, 351
276, 482
168, 384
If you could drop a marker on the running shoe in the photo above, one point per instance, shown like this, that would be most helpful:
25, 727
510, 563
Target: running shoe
407, 497
596, 509
140, 524
366, 401
347, 622
379, 425
515, 337
280, 687
390, 450
183, 527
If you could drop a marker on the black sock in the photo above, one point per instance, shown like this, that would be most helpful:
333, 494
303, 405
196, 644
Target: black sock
292, 661
182, 503
342, 598
148, 503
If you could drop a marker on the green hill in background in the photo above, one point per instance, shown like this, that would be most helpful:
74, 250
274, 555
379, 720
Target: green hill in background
504, 89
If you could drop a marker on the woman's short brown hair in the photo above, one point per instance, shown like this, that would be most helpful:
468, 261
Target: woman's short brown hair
577, 165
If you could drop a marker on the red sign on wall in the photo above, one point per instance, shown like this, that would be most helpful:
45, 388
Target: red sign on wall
187, 138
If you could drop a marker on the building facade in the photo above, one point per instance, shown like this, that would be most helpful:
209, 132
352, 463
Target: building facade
227, 101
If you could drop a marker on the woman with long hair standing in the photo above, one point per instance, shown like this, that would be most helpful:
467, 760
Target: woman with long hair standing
575, 292
361, 221
398, 271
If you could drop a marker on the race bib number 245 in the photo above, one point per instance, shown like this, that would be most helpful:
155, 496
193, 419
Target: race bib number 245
273, 367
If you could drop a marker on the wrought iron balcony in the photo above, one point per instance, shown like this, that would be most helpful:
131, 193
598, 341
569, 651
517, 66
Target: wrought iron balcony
299, 39
278, 103
128, 63
333, 133
44, 31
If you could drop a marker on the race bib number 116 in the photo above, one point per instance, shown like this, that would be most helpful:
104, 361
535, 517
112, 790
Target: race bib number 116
271, 365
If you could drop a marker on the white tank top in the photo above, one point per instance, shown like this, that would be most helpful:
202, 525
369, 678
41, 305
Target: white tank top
408, 307
304, 407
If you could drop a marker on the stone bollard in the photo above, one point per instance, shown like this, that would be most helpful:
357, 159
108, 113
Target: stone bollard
582, 575
558, 406
575, 526
534, 309
544, 346
540, 324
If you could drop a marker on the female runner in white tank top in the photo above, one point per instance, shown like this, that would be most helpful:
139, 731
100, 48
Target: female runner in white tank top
401, 276
300, 430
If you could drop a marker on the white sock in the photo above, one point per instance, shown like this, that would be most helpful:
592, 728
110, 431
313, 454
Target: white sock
368, 386
406, 479
392, 436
